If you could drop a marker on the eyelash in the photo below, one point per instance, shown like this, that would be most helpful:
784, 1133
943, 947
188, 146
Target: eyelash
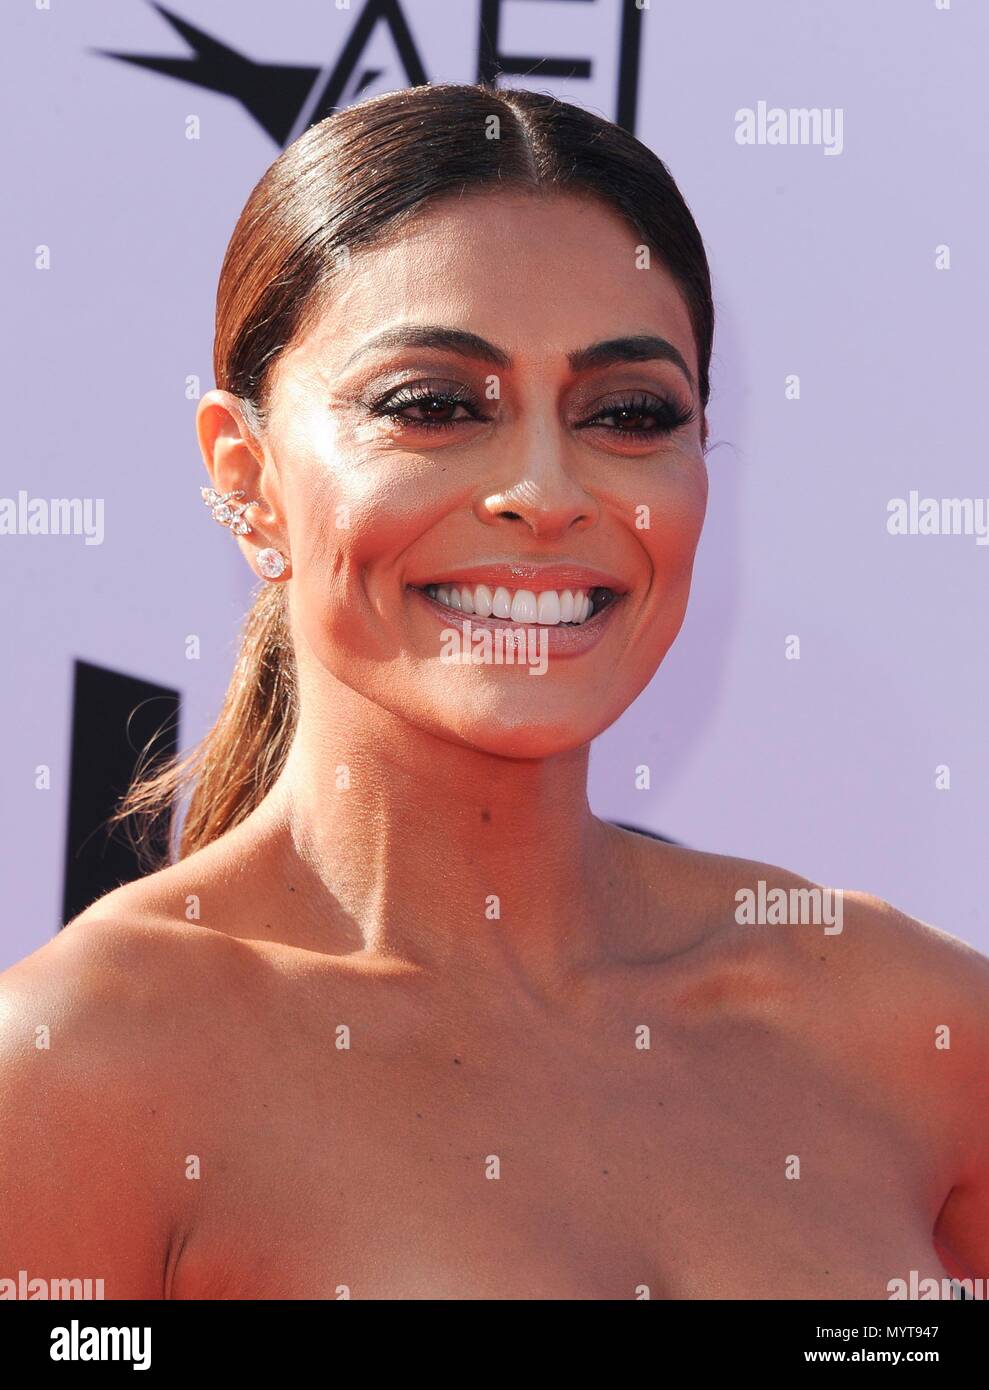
668, 411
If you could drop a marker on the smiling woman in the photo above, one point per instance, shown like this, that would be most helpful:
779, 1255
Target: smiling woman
402, 1018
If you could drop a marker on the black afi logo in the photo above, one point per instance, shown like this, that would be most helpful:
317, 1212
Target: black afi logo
286, 98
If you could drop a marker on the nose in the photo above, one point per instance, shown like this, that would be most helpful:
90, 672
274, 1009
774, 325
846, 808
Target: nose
542, 494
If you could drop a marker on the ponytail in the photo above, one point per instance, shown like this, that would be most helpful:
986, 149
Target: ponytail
235, 766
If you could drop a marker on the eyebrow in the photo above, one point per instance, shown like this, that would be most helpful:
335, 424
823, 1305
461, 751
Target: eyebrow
639, 347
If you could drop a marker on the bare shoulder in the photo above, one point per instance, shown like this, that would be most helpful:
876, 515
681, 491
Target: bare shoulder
893, 1010
891, 1002
737, 905
119, 960
96, 1061
917, 953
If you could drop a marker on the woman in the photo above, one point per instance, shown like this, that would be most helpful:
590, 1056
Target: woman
405, 1020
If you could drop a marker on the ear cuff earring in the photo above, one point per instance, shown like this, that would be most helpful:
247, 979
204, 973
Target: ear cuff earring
270, 562
226, 512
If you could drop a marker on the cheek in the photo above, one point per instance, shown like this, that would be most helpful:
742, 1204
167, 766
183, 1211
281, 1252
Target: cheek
669, 523
346, 499
341, 518
351, 528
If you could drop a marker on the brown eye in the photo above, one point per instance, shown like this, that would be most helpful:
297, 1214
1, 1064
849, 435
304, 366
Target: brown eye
643, 416
431, 403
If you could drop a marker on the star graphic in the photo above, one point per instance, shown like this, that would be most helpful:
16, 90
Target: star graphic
274, 94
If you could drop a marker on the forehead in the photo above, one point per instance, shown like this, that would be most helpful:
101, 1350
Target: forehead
537, 276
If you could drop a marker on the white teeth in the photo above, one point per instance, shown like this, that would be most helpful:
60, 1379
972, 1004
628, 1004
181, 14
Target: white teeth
525, 609
501, 603
547, 608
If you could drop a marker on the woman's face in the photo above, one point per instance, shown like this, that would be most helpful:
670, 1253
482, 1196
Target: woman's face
516, 467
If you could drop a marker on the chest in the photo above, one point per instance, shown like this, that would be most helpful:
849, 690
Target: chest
697, 1167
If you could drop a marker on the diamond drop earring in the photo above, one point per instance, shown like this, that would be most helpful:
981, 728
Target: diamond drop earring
226, 512
271, 563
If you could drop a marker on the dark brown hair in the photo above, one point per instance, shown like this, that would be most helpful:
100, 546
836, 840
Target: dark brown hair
348, 182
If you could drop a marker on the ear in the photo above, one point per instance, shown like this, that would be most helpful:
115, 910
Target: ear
236, 458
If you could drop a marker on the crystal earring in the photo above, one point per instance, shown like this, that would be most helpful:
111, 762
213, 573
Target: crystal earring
226, 512
271, 563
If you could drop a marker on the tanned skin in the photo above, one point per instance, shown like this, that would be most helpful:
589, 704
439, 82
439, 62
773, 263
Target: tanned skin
309, 1059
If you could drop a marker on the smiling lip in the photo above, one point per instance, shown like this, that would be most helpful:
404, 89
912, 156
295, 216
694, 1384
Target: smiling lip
564, 639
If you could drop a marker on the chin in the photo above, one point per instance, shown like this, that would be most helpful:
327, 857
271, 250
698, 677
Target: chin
524, 733
520, 715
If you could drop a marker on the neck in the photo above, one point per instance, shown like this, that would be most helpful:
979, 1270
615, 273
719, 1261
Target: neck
440, 855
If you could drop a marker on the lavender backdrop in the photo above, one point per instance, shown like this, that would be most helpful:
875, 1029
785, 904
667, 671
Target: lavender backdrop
826, 267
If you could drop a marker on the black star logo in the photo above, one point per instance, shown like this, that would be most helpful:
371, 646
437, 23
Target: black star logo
274, 94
